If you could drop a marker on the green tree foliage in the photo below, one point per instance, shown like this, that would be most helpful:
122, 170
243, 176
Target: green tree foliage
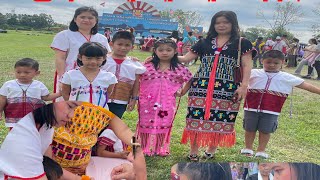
254, 32
184, 18
279, 32
25, 21
3, 20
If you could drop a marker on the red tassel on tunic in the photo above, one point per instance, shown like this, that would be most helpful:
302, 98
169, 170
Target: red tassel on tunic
209, 138
210, 89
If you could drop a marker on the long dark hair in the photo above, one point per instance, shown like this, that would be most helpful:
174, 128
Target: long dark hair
232, 18
314, 41
92, 49
195, 171
174, 34
52, 169
308, 171
73, 26
156, 60
45, 116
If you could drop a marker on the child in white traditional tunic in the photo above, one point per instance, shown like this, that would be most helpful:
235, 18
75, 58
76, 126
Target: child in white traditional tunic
127, 71
20, 96
267, 91
88, 83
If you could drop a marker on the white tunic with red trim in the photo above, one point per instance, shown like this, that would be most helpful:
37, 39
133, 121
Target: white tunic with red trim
94, 92
70, 42
126, 75
21, 153
111, 141
17, 105
267, 92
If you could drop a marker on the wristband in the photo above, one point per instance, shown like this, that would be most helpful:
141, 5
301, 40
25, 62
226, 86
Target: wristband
84, 177
135, 97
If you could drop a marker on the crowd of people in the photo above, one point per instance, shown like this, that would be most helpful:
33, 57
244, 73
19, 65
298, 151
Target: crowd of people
297, 55
96, 82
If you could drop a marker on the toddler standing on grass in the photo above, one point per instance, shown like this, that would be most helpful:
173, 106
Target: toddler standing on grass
267, 91
22, 95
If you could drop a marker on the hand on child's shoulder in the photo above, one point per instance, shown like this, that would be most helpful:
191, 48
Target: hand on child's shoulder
135, 59
148, 59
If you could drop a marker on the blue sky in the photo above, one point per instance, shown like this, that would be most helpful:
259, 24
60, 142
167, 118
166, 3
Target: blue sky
62, 10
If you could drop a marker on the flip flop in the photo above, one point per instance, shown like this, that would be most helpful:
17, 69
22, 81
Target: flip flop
262, 155
207, 155
247, 152
193, 157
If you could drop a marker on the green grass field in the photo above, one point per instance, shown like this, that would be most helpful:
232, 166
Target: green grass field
296, 140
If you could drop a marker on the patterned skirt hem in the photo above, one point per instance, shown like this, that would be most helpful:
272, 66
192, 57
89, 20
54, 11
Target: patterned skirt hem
209, 138
155, 144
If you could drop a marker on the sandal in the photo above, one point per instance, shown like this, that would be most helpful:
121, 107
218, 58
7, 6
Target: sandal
207, 155
247, 152
164, 154
193, 157
262, 155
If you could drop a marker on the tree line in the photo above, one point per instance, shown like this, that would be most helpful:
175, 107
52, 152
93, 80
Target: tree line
28, 22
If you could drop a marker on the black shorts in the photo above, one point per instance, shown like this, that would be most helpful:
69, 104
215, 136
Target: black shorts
263, 122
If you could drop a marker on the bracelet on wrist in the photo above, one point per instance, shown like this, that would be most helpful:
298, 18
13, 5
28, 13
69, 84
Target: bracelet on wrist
84, 177
135, 97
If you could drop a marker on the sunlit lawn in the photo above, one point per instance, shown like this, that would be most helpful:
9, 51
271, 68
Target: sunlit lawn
297, 139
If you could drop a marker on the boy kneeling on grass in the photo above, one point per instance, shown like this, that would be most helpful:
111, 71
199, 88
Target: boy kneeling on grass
267, 91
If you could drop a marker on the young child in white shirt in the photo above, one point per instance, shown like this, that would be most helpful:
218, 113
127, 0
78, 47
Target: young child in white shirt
267, 91
22, 95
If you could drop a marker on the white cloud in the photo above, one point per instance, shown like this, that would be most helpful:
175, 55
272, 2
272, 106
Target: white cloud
62, 10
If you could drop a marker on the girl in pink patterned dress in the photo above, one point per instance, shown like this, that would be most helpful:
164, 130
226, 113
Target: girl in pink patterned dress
159, 86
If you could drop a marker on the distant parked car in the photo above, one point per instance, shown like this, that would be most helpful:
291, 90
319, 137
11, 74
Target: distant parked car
3, 31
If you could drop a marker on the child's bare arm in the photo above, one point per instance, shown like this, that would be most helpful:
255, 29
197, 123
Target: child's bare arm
121, 130
51, 96
185, 89
136, 85
65, 91
3, 102
315, 50
102, 152
135, 93
188, 57
309, 87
